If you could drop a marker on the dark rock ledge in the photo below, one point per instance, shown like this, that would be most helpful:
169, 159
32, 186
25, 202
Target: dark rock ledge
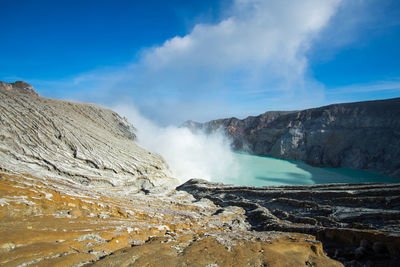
359, 224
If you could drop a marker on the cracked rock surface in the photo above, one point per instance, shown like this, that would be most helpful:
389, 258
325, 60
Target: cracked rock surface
81, 142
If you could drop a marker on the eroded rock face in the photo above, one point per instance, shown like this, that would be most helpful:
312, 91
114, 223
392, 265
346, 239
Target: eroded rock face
83, 143
363, 135
354, 221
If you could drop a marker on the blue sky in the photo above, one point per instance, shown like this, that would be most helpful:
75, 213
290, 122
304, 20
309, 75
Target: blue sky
177, 60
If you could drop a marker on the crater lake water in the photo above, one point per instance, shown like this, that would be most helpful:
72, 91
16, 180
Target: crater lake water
253, 170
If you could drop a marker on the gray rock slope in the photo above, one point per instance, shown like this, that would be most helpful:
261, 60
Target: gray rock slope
362, 135
81, 142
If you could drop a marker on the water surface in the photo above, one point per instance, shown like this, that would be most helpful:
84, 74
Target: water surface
253, 170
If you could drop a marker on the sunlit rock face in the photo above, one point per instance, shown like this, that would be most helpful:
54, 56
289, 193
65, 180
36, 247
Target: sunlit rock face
363, 135
83, 143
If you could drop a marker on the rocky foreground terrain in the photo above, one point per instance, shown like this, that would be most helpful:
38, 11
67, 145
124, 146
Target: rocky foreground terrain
54, 223
363, 135
76, 190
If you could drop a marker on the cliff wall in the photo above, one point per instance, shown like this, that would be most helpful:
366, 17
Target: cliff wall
362, 135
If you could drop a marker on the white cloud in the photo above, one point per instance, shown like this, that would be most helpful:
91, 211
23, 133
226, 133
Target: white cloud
261, 43
256, 51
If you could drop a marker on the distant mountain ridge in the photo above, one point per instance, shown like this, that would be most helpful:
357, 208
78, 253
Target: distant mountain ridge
360, 135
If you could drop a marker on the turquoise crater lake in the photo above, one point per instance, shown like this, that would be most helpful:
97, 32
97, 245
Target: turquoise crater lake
253, 170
